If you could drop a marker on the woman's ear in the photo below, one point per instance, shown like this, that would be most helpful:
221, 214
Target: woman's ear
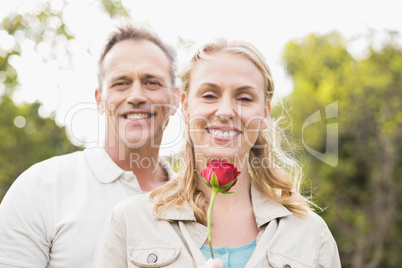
267, 115
99, 101
267, 110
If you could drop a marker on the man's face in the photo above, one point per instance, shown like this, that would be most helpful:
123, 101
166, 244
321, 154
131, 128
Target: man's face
136, 94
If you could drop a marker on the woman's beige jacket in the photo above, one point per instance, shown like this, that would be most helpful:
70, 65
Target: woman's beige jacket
133, 237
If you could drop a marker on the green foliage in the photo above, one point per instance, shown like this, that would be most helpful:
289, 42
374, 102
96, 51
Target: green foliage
25, 139
361, 193
44, 25
115, 8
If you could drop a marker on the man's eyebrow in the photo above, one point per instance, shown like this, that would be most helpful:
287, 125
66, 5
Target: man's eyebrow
119, 77
150, 76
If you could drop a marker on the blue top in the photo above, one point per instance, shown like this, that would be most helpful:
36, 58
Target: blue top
235, 257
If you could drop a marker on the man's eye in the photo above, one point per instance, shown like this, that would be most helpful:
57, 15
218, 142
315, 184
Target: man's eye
120, 84
152, 83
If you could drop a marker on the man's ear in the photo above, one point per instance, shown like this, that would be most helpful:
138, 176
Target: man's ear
99, 101
175, 100
184, 107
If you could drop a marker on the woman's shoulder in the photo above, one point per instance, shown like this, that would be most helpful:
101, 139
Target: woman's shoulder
137, 202
305, 227
309, 230
311, 220
134, 206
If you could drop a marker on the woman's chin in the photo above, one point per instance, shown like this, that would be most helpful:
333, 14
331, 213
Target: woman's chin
231, 155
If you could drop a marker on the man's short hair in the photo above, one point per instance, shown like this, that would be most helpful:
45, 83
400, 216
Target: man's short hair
128, 31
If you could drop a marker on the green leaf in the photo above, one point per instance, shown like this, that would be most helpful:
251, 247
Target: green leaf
206, 182
224, 192
227, 186
214, 180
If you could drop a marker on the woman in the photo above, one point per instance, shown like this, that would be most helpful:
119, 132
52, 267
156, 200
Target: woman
227, 91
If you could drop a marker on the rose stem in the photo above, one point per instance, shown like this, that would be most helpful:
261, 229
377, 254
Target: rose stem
215, 191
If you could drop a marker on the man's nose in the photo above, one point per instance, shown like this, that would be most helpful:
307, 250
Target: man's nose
136, 94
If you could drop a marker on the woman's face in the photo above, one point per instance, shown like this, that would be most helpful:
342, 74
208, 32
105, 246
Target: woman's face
226, 106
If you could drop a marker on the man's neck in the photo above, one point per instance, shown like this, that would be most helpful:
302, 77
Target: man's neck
143, 162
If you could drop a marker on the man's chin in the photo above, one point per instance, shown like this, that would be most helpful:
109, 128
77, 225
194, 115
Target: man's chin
136, 141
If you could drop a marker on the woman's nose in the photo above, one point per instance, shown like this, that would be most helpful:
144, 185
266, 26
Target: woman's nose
225, 110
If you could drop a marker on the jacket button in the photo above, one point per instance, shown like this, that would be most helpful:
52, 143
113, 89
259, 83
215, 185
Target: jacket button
152, 258
287, 266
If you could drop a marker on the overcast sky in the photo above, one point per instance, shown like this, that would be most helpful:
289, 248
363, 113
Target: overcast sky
267, 24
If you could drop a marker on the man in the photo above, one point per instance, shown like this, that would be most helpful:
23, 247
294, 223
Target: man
54, 212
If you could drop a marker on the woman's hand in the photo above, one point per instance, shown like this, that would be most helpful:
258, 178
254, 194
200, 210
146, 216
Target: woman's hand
214, 263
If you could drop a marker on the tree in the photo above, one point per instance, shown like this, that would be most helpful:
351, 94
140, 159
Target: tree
360, 190
25, 137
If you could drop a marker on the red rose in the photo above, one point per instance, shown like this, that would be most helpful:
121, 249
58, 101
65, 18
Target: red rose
226, 175
220, 176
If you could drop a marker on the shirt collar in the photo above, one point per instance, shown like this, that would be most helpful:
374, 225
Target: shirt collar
265, 209
107, 171
102, 166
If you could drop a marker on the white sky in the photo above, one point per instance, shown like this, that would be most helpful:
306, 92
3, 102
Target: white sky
267, 24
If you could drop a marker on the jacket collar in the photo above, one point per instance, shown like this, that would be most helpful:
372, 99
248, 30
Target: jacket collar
265, 209
183, 213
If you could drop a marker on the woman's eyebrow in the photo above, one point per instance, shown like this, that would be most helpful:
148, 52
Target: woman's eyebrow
208, 84
244, 88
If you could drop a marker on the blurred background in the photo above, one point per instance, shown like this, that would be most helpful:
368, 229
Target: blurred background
337, 68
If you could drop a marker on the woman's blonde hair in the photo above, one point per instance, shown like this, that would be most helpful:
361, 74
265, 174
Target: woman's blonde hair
277, 175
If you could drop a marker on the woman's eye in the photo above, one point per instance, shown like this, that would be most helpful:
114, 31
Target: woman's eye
246, 99
208, 96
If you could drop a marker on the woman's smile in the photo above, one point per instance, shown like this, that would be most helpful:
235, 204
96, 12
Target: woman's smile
223, 132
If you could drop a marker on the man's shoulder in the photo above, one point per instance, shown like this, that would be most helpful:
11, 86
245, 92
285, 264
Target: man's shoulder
54, 165
69, 162
65, 158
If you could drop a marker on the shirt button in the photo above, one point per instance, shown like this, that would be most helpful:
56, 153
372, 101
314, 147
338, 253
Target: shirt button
126, 176
287, 266
152, 258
